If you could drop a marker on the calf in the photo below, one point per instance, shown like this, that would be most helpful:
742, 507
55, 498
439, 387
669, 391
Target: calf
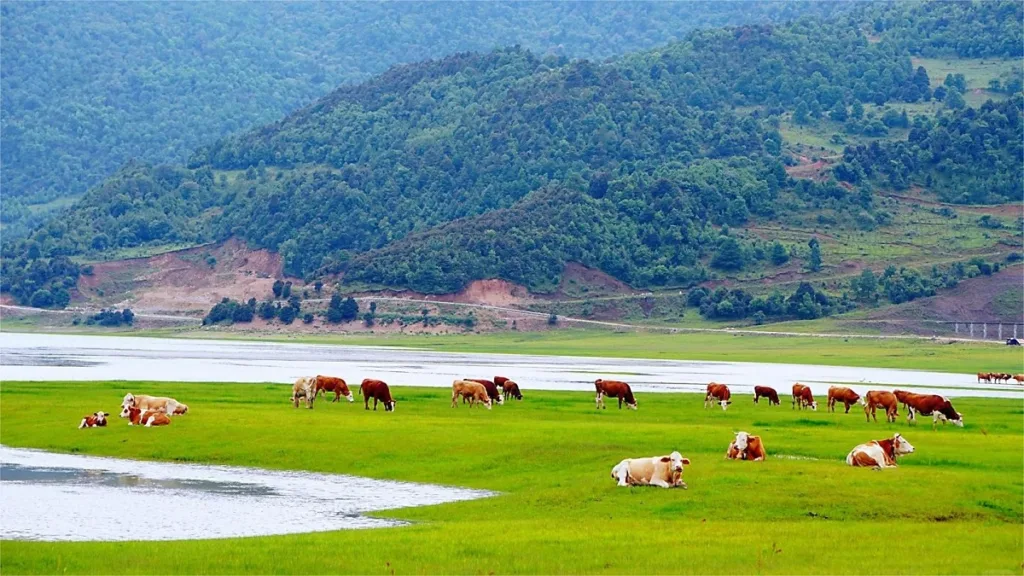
147, 418
664, 471
842, 394
511, 389
305, 388
766, 392
614, 389
93, 420
492, 390
938, 407
879, 454
470, 390
331, 384
154, 403
880, 398
803, 398
721, 394
746, 447
378, 390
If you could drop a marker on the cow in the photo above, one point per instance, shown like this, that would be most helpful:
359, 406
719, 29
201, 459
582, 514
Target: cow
614, 389
746, 447
169, 406
1019, 378
93, 420
471, 390
1003, 377
499, 381
511, 390
766, 392
305, 388
879, 454
331, 384
378, 390
492, 390
663, 471
984, 377
901, 395
842, 394
876, 398
803, 398
147, 418
938, 407
180, 409
721, 394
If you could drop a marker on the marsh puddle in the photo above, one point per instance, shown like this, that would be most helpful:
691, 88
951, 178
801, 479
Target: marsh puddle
47, 496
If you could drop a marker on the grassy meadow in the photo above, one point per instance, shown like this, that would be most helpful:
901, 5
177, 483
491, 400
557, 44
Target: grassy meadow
955, 506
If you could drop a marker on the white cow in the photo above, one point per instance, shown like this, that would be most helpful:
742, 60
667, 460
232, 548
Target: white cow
170, 406
304, 387
664, 471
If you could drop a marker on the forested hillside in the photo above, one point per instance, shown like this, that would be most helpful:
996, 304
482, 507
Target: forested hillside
87, 86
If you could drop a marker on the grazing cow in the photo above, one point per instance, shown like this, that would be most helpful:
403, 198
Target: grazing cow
901, 395
331, 384
803, 398
879, 454
766, 392
876, 398
938, 407
93, 420
304, 387
471, 390
746, 447
664, 471
511, 389
147, 418
1004, 377
378, 390
499, 381
492, 390
614, 389
143, 402
842, 394
1019, 378
721, 394
984, 377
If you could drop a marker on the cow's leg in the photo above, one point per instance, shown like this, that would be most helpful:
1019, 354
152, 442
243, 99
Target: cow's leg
847, 407
82, 425
659, 482
374, 403
295, 401
366, 402
620, 402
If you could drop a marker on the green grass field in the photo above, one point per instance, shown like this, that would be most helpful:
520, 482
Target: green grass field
955, 506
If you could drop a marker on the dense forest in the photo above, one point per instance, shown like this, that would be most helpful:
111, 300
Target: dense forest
87, 86
512, 163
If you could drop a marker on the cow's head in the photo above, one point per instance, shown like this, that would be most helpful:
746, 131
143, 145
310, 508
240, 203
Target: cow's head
350, 397
630, 400
814, 405
725, 403
390, 406
500, 400
741, 441
101, 418
129, 400
675, 461
181, 409
126, 411
900, 445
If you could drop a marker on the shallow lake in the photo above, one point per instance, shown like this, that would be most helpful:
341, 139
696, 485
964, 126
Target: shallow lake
71, 357
47, 496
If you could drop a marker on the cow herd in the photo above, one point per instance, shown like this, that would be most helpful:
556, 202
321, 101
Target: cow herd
999, 377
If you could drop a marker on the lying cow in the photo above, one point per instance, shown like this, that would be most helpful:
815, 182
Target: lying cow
938, 407
510, 390
664, 471
331, 384
721, 394
746, 447
803, 398
378, 390
470, 390
614, 389
879, 454
880, 398
842, 394
492, 390
305, 388
147, 418
154, 403
93, 420
766, 392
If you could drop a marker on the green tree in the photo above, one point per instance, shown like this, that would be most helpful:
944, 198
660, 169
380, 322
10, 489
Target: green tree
349, 309
800, 113
814, 260
779, 254
729, 255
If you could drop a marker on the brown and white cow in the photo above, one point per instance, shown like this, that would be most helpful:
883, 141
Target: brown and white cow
1019, 378
880, 398
842, 394
803, 398
378, 390
155, 403
492, 390
766, 392
879, 454
93, 420
147, 418
614, 389
720, 393
1002, 377
663, 471
331, 384
984, 377
510, 390
746, 447
470, 390
305, 388
938, 407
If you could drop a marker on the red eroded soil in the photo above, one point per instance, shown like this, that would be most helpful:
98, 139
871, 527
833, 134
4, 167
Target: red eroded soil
973, 300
